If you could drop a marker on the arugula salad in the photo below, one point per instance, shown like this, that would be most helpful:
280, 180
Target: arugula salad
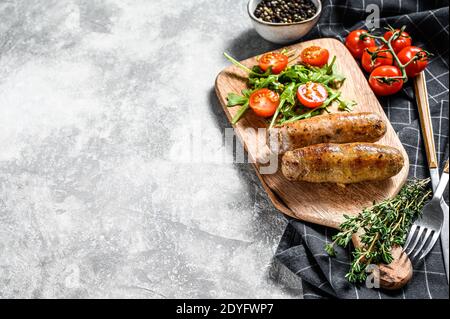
286, 93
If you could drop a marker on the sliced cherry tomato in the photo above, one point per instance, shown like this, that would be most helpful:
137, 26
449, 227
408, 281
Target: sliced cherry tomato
356, 42
402, 40
264, 102
312, 94
374, 57
416, 66
277, 61
382, 82
315, 56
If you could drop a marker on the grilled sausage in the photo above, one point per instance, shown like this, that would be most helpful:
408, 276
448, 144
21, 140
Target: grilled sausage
342, 163
331, 128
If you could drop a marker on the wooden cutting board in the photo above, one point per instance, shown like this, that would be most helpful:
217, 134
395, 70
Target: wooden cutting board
323, 204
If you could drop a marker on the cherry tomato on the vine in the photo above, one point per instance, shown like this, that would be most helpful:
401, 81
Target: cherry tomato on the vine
385, 80
401, 41
356, 42
315, 56
264, 102
312, 94
416, 66
277, 61
374, 57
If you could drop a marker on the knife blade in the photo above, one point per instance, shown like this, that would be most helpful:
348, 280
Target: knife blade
434, 174
445, 230
445, 235
445, 227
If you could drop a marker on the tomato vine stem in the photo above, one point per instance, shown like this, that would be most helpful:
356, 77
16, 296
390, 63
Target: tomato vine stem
388, 43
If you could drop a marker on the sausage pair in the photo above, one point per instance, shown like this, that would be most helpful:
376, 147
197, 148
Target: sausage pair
335, 148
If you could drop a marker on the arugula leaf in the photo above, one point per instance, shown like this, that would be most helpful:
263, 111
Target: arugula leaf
330, 67
247, 92
235, 99
345, 105
259, 73
244, 100
259, 83
240, 65
240, 113
336, 81
288, 95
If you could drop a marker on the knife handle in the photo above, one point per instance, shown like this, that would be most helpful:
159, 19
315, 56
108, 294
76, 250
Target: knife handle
420, 86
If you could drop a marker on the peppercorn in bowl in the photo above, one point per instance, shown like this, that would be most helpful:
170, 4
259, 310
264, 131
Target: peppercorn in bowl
284, 21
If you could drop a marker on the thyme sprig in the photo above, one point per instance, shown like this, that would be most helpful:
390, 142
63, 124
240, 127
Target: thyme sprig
383, 226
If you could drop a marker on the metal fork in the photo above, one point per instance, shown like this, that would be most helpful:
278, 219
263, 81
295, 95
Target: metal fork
430, 224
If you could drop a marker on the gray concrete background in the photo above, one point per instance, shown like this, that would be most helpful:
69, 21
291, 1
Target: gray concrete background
98, 100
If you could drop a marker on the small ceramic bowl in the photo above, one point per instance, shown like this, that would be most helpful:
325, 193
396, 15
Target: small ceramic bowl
283, 33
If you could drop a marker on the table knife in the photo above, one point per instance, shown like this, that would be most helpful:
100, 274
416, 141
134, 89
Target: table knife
420, 86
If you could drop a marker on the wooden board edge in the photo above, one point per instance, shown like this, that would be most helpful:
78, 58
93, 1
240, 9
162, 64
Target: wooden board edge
275, 200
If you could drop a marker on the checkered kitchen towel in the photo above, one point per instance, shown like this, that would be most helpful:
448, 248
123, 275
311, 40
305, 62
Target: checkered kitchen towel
301, 247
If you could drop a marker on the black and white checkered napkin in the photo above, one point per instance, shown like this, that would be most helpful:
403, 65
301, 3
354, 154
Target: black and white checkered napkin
301, 247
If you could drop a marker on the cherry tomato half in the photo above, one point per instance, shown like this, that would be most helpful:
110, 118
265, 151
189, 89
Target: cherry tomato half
264, 102
312, 94
403, 40
315, 56
416, 66
277, 61
356, 42
374, 57
381, 80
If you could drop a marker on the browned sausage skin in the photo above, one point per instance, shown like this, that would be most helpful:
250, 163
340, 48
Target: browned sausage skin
331, 128
342, 163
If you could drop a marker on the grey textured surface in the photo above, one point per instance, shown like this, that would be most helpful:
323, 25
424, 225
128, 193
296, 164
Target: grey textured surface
96, 101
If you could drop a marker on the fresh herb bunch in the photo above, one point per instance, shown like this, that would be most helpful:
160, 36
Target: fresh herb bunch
286, 85
384, 226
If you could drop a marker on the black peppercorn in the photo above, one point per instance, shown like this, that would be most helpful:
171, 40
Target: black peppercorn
285, 11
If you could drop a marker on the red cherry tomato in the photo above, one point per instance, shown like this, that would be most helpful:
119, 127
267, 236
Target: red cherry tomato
381, 80
356, 42
312, 94
374, 57
403, 40
264, 102
315, 56
277, 61
416, 66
